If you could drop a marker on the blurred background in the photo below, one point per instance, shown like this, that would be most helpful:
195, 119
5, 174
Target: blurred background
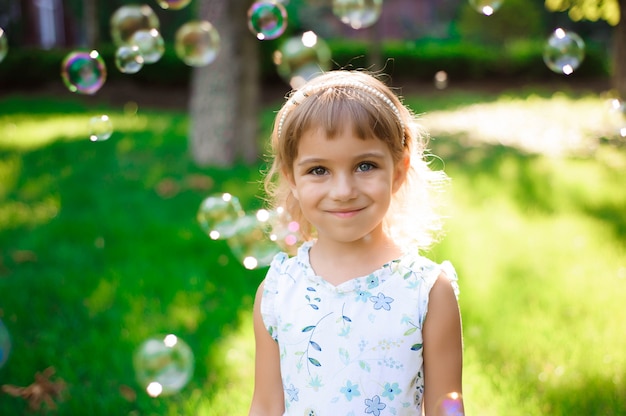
133, 233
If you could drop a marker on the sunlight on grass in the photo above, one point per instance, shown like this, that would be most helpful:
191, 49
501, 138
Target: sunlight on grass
555, 126
28, 131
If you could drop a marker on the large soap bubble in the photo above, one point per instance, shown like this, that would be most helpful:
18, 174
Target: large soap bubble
150, 44
163, 366
83, 72
4, 45
251, 243
486, 7
302, 58
267, 19
197, 43
128, 19
358, 14
564, 51
128, 59
218, 215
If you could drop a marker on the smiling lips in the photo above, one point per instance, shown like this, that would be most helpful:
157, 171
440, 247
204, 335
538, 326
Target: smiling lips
345, 213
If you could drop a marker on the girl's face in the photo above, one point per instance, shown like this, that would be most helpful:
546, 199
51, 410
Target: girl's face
344, 184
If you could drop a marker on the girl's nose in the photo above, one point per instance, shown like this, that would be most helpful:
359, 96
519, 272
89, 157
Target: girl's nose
343, 187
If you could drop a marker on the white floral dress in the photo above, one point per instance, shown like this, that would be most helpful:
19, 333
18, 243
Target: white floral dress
355, 348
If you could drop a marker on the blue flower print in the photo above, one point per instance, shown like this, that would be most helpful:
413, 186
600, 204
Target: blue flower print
381, 301
362, 296
372, 281
350, 390
292, 392
391, 390
374, 406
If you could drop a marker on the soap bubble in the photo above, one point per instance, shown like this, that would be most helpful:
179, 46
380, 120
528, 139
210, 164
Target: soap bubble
163, 366
564, 51
4, 45
5, 344
83, 72
301, 58
128, 59
284, 231
441, 80
128, 19
173, 4
197, 43
150, 43
486, 7
251, 243
267, 19
358, 14
450, 405
100, 128
218, 215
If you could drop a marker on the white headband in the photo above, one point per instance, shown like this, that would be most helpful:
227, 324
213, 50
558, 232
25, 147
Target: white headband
300, 95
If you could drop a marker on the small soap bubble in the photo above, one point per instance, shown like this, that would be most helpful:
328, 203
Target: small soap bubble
564, 51
83, 72
441, 80
163, 365
301, 58
284, 231
4, 44
450, 405
197, 43
100, 128
128, 59
251, 243
150, 44
128, 19
267, 19
486, 7
173, 4
358, 14
5, 344
218, 215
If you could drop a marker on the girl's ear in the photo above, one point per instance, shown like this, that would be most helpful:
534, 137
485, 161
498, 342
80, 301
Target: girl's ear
400, 172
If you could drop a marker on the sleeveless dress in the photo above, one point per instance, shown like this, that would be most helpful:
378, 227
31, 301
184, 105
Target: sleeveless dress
355, 348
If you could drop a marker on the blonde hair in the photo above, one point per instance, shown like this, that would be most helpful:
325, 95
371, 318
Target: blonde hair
333, 99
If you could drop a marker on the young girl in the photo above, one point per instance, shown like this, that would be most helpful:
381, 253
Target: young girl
357, 322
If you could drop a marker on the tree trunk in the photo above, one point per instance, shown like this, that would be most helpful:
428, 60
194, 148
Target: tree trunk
90, 23
619, 53
224, 95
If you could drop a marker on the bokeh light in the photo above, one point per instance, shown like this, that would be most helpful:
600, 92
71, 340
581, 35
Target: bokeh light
173, 4
486, 7
100, 128
150, 44
83, 72
163, 366
564, 51
197, 43
5, 344
267, 19
358, 14
301, 58
218, 215
128, 59
4, 44
441, 80
251, 244
128, 19
450, 405
284, 231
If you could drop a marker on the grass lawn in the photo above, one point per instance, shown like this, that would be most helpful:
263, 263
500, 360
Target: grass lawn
100, 250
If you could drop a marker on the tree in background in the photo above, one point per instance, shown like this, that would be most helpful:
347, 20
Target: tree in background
224, 94
610, 11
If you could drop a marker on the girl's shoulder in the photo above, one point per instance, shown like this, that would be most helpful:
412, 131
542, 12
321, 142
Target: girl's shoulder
416, 266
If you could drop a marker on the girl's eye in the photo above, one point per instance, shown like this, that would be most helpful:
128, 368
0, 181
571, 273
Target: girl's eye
318, 170
365, 166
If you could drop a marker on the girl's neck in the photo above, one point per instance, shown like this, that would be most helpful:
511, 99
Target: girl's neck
338, 262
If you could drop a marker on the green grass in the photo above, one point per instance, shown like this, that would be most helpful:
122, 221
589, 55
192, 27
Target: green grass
100, 249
